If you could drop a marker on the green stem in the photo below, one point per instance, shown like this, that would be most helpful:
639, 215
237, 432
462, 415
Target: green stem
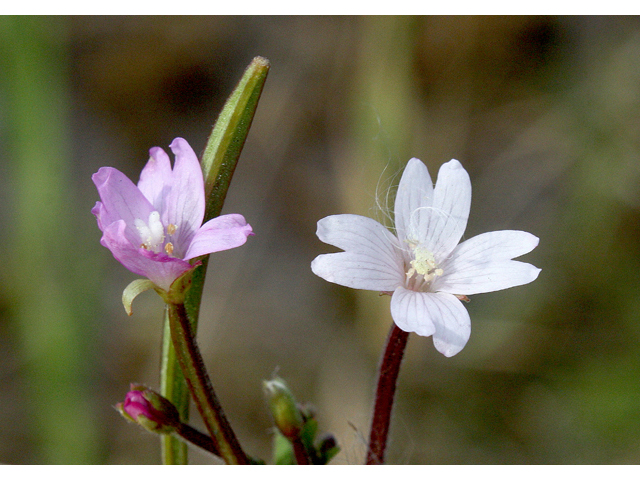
200, 387
385, 392
174, 388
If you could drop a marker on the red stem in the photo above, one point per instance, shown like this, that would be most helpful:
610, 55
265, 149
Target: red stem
385, 391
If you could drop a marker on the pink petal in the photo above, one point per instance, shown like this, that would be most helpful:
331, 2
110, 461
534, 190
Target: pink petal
120, 200
185, 199
156, 177
220, 233
413, 199
159, 268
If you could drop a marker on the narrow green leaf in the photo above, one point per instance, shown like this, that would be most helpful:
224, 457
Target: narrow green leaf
229, 134
218, 164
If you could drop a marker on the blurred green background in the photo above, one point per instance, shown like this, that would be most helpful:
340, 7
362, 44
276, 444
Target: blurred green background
544, 113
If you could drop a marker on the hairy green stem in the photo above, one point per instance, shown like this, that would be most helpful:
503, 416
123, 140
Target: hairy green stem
174, 388
385, 392
200, 387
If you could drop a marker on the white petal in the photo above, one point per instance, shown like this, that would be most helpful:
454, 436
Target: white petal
482, 264
411, 313
372, 259
357, 270
487, 277
438, 314
354, 233
453, 326
450, 210
492, 246
414, 196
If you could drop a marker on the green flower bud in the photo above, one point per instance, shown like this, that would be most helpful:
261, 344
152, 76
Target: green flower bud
284, 408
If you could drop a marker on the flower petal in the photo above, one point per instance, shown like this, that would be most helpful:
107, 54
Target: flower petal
372, 259
220, 233
121, 200
493, 246
185, 199
483, 263
487, 277
453, 325
450, 210
159, 268
414, 197
354, 233
357, 270
410, 310
156, 178
438, 314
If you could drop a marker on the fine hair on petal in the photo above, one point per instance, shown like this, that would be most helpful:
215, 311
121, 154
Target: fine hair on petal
385, 195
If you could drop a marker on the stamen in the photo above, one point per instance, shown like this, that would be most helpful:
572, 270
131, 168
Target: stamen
423, 268
168, 248
171, 229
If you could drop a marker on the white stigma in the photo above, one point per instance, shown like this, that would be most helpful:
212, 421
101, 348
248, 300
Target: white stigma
151, 233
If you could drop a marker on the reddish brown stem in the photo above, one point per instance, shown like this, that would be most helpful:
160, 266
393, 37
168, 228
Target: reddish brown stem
302, 457
385, 392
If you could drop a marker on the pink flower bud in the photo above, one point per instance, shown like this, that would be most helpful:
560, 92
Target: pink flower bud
149, 410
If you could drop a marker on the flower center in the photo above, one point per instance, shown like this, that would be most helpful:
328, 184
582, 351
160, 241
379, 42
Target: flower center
152, 233
423, 268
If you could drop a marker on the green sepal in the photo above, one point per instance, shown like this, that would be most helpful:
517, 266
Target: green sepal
178, 289
282, 450
134, 289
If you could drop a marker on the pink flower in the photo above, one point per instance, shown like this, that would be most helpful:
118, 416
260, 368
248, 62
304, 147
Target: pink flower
423, 265
155, 228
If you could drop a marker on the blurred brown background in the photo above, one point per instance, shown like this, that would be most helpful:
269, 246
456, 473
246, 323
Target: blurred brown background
542, 111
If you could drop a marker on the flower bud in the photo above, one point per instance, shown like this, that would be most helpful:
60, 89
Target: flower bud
149, 409
284, 408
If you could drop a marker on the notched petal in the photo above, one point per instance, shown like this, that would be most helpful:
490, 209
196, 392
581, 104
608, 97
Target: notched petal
355, 270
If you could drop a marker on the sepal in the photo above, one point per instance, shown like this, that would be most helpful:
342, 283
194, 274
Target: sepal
134, 289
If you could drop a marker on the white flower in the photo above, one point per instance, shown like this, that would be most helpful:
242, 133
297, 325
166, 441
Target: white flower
423, 264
